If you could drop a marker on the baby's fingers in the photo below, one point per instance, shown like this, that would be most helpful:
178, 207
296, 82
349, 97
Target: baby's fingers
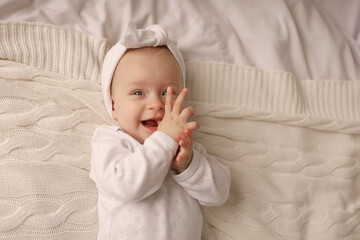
181, 155
188, 132
184, 140
187, 112
184, 150
178, 105
193, 125
169, 100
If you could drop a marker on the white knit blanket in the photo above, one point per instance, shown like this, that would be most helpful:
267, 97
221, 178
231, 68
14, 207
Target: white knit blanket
293, 146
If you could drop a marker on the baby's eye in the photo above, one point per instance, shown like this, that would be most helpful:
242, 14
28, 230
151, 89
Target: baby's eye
164, 93
138, 93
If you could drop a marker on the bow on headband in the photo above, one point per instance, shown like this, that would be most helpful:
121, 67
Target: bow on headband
152, 36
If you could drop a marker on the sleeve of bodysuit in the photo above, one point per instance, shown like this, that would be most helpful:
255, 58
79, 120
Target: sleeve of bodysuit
206, 179
130, 174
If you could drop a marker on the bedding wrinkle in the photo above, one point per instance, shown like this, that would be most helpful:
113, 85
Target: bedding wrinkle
346, 17
245, 33
210, 26
315, 39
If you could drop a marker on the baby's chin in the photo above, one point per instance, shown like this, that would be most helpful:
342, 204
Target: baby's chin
139, 134
141, 139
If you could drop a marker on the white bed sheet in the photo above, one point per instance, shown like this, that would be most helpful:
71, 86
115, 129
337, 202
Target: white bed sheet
307, 38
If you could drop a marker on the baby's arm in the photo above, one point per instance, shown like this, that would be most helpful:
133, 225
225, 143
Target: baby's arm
206, 179
127, 173
203, 177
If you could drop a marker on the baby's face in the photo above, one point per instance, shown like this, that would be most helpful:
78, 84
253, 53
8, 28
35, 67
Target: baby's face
138, 89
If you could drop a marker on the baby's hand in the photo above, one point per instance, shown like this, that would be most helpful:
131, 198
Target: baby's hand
175, 120
184, 156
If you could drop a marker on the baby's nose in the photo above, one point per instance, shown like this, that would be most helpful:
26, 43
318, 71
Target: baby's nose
156, 103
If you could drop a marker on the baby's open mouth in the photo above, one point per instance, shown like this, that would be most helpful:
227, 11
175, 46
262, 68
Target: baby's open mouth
150, 124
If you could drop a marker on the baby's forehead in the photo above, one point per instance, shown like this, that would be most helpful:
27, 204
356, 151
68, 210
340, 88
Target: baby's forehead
148, 51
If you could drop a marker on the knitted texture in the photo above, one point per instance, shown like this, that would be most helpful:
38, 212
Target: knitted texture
50, 104
293, 150
292, 146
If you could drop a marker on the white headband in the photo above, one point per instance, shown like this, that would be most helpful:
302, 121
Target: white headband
152, 36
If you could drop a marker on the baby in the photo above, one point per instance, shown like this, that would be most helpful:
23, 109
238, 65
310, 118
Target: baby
151, 176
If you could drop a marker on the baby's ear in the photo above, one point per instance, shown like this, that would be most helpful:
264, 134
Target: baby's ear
112, 101
113, 108
113, 115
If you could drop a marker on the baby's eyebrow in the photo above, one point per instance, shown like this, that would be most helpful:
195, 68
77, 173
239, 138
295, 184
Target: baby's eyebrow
172, 84
137, 83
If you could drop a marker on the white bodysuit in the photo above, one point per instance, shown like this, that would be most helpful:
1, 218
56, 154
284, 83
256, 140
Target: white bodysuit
139, 197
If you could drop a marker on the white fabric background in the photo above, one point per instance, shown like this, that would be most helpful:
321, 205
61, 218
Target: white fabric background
293, 147
312, 39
